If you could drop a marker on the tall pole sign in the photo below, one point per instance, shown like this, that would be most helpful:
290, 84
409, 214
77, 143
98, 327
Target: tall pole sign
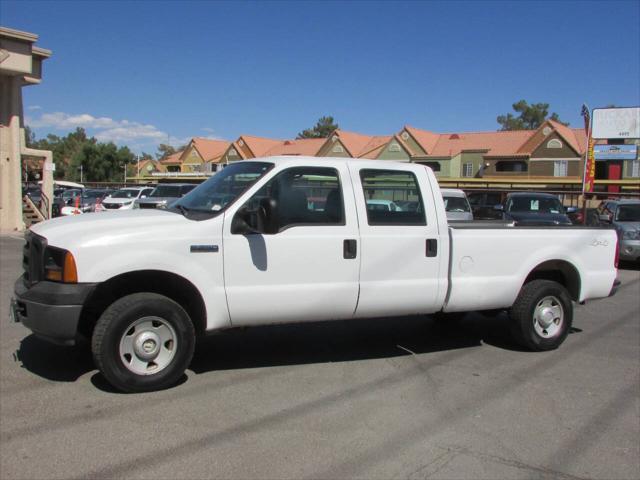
589, 159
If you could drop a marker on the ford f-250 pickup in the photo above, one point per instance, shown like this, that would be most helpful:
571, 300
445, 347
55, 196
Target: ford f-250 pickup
293, 239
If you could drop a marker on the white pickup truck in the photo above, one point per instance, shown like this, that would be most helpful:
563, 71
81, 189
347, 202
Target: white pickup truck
293, 239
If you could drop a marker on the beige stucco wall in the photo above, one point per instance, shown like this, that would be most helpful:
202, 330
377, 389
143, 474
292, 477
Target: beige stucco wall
191, 160
412, 144
544, 152
20, 60
10, 160
400, 154
327, 150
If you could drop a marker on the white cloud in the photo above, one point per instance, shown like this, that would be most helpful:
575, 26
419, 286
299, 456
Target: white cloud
106, 129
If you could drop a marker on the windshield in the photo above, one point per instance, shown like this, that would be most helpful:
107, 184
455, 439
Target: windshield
166, 191
628, 213
456, 204
214, 195
125, 194
534, 205
94, 193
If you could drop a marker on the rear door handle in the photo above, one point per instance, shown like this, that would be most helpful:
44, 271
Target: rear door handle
432, 247
349, 249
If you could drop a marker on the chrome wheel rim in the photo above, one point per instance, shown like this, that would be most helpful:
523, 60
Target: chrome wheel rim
148, 346
548, 317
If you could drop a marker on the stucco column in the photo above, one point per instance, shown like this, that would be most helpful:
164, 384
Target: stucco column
10, 171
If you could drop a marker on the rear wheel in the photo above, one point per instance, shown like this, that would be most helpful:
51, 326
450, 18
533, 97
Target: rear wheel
143, 342
542, 315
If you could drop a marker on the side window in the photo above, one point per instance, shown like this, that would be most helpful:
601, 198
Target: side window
392, 197
304, 196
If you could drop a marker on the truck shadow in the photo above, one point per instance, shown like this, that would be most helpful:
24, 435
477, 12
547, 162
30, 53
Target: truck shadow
292, 344
344, 341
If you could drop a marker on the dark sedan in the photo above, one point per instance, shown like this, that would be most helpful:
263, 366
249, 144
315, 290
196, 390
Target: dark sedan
534, 209
164, 195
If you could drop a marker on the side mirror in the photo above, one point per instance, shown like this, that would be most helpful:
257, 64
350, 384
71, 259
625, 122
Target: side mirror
604, 218
572, 209
268, 213
143, 196
245, 222
499, 207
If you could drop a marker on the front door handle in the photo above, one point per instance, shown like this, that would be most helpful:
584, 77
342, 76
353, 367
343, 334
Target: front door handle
349, 249
432, 247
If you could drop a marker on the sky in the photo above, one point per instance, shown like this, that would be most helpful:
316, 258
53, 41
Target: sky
143, 73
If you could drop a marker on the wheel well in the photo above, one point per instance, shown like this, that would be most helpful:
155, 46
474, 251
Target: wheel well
558, 271
173, 286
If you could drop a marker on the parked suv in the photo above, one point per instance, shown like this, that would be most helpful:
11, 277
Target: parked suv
530, 208
123, 199
164, 195
483, 203
624, 215
456, 204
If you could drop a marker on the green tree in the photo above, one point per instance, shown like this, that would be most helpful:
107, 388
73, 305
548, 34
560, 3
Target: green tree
165, 150
29, 137
101, 162
322, 129
530, 116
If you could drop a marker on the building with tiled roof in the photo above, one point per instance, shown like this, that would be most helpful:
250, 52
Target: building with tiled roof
350, 144
173, 162
553, 150
203, 155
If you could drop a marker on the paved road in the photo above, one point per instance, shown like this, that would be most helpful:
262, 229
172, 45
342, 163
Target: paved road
400, 398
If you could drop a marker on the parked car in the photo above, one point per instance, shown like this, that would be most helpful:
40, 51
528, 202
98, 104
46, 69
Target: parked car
144, 286
123, 199
624, 215
456, 204
164, 195
527, 208
383, 205
483, 204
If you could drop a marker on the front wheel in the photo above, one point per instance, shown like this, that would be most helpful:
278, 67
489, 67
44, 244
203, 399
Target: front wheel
143, 342
541, 315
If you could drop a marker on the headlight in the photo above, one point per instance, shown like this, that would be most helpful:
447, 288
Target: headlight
60, 266
631, 234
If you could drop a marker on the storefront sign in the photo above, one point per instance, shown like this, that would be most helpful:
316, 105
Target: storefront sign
615, 152
616, 122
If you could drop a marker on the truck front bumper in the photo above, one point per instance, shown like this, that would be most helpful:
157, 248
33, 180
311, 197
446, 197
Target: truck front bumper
50, 310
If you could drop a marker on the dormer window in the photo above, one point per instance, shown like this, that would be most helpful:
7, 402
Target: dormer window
337, 149
554, 143
405, 135
394, 147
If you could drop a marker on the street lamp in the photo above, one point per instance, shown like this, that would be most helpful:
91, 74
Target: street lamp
80, 168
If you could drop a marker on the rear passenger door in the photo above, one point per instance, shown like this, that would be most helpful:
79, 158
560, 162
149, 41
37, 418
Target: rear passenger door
401, 250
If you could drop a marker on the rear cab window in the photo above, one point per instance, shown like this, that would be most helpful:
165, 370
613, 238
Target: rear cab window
392, 197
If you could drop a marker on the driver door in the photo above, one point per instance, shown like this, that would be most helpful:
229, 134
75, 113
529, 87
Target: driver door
305, 271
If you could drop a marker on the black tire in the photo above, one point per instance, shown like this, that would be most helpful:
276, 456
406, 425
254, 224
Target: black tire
116, 326
549, 301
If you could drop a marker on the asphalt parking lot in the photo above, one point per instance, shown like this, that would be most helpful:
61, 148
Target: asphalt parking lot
391, 398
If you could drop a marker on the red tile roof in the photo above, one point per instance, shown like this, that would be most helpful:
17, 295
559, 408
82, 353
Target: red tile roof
513, 143
427, 140
210, 150
300, 146
259, 146
174, 158
362, 146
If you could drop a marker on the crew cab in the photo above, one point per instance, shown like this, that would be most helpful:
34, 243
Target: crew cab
293, 239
